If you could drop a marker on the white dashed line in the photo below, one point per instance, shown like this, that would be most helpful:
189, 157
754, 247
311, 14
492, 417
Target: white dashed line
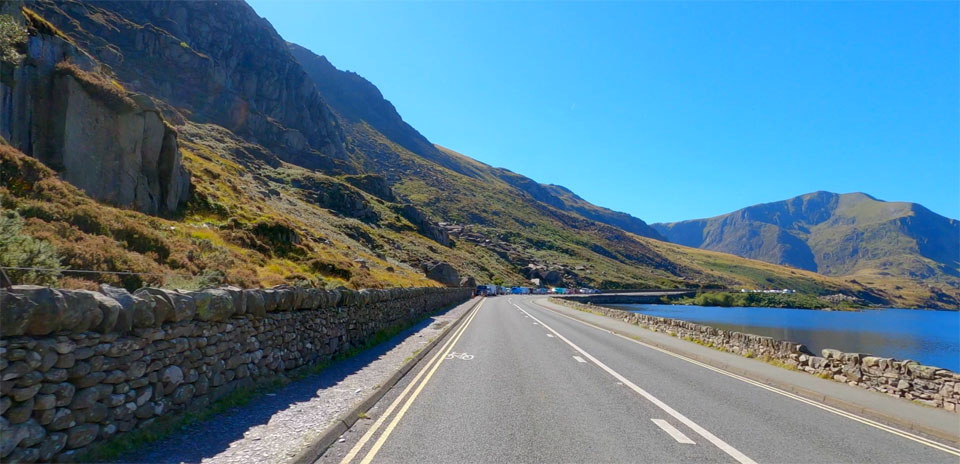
579, 359
550, 335
722, 445
673, 432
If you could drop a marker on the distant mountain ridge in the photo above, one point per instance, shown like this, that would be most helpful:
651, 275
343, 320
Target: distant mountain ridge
833, 234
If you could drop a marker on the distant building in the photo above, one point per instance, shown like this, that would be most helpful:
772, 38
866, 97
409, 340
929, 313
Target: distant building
783, 291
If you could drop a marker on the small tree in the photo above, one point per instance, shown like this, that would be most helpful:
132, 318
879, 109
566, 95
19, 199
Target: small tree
13, 37
20, 250
498, 281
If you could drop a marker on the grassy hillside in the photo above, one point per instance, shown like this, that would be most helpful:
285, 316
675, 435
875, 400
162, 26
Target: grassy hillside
248, 225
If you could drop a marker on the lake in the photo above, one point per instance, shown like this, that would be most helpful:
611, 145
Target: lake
928, 337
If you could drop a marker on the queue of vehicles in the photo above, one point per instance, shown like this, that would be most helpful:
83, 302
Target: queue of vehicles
494, 290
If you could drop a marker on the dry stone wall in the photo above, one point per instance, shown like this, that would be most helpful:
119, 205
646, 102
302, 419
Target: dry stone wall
928, 385
78, 367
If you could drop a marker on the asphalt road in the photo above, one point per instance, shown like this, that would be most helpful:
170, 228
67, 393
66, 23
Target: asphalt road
517, 382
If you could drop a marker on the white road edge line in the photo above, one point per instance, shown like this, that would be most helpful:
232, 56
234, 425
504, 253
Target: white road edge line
919, 439
579, 359
724, 446
673, 432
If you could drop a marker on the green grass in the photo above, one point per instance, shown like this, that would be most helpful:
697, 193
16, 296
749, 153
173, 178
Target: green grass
764, 300
779, 363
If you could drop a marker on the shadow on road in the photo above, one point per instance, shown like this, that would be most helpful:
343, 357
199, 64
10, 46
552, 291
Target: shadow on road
206, 439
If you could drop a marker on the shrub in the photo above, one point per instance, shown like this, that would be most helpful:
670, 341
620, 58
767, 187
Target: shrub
141, 239
20, 250
13, 38
282, 239
208, 279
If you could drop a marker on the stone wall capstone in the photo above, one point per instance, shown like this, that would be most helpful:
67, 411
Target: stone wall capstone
78, 367
928, 385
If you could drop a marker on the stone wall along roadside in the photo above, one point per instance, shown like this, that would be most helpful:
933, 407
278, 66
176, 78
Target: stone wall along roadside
928, 385
78, 367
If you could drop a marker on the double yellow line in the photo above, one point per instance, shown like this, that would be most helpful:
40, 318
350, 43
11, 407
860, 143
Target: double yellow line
428, 371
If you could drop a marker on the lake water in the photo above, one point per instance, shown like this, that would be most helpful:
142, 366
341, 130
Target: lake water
928, 337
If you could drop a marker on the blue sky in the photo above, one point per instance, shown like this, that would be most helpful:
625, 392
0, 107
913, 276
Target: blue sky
668, 111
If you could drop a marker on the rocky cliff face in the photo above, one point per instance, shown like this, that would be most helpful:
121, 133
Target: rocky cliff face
114, 145
357, 99
216, 62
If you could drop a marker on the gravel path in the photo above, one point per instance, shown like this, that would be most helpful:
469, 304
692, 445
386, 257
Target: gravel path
276, 426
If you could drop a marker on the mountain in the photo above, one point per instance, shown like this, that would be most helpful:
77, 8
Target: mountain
274, 167
357, 100
850, 234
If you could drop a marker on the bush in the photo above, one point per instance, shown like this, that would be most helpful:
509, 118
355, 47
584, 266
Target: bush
20, 250
208, 279
13, 38
714, 299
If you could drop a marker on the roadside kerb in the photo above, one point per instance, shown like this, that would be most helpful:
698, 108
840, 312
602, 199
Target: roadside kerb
347, 419
847, 406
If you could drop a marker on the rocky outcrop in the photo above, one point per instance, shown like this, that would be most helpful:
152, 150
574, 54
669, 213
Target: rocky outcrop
443, 273
112, 144
338, 197
69, 385
928, 385
424, 225
218, 61
126, 158
374, 185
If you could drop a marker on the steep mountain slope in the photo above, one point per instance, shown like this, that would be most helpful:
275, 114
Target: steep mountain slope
296, 182
834, 234
356, 99
359, 101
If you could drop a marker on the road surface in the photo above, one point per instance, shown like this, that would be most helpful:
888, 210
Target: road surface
517, 382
